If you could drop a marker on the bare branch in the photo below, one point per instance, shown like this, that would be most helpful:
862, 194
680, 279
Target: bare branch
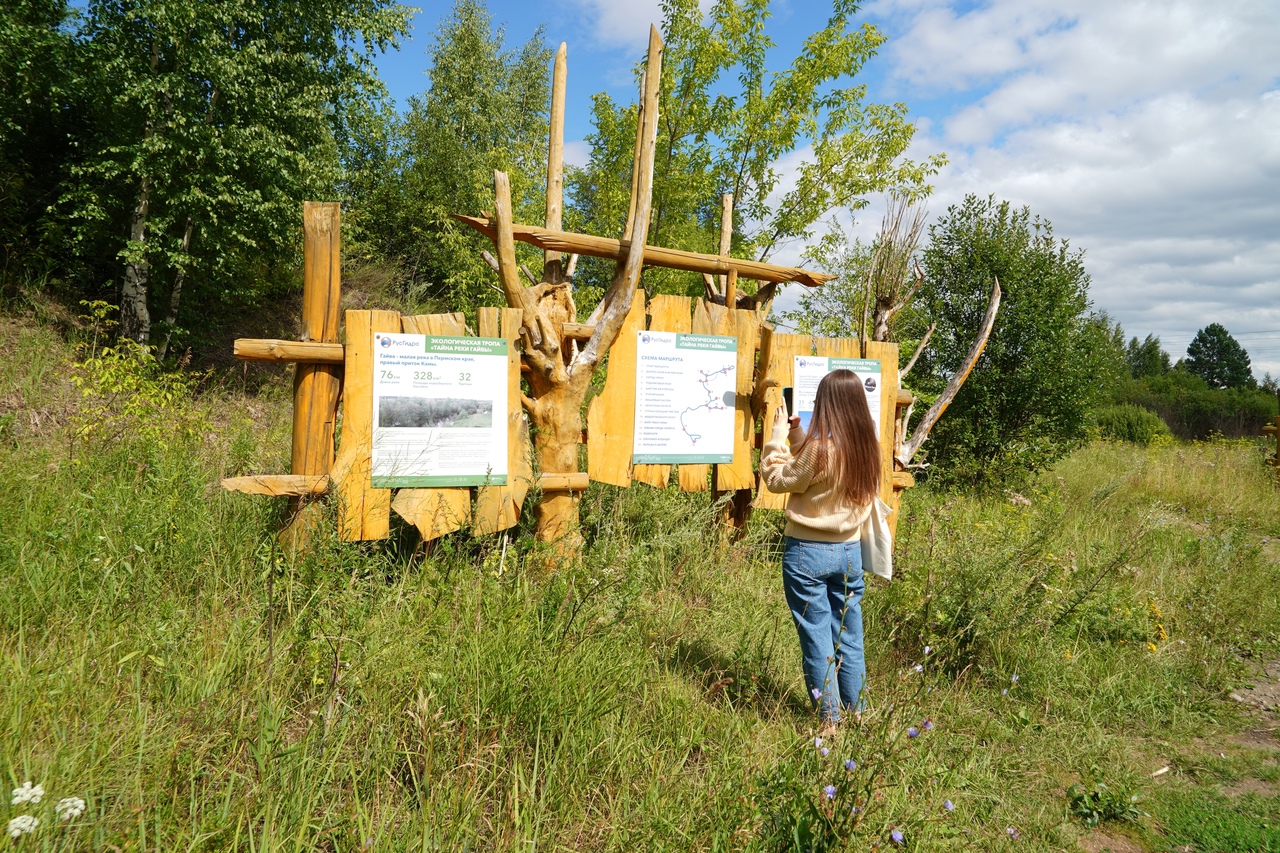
509, 276
912, 446
627, 275
492, 262
571, 267
533, 279
924, 342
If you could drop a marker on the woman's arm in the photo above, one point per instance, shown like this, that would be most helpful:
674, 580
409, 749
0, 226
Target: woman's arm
781, 471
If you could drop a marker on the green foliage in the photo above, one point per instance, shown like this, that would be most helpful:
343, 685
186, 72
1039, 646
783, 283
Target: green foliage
177, 139
485, 108
1048, 361
1096, 802
1146, 358
1127, 422
1194, 410
1218, 359
727, 121
128, 398
35, 86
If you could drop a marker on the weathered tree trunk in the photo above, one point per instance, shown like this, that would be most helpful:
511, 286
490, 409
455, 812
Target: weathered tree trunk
559, 375
175, 295
135, 319
557, 423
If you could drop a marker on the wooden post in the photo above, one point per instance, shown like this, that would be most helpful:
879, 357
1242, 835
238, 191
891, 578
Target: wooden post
552, 265
316, 386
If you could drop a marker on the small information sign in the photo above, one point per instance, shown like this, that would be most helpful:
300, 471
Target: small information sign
439, 411
810, 370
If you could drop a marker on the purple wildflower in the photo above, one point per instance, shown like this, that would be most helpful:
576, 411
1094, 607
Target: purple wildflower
823, 752
1013, 833
817, 743
927, 725
830, 791
816, 693
1004, 692
850, 765
1014, 678
949, 806
913, 732
896, 836
919, 668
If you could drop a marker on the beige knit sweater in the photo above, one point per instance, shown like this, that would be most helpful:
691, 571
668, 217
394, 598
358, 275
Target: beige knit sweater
814, 511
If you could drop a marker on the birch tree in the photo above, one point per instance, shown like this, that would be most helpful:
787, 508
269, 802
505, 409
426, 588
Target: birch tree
212, 121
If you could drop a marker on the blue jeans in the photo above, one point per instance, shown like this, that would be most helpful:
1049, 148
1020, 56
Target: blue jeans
824, 585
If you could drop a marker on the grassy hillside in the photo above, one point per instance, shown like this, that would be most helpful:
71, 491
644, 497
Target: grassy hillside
163, 661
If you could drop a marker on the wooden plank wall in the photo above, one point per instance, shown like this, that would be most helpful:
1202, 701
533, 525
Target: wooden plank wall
611, 417
888, 355
363, 512
740, 474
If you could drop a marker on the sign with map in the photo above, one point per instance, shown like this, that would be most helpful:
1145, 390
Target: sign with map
810, 370
439, 411
684, 398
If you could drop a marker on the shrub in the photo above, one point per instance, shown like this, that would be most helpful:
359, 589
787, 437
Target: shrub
1127, 422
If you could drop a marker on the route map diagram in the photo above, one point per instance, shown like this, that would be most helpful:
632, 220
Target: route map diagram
716, 400
685, 404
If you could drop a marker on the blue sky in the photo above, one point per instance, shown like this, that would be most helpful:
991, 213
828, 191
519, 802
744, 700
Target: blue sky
1147, 133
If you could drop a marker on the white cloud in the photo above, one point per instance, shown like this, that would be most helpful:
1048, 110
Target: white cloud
1145, 132
577, 152
625, 22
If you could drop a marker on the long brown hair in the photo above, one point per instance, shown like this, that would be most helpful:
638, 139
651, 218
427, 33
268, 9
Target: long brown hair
842, 427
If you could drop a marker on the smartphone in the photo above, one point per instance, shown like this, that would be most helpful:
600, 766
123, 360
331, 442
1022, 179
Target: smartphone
788, 399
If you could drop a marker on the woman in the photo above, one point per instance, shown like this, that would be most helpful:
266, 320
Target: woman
832, 476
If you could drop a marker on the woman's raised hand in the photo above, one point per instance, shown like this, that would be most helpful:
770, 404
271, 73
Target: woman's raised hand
780, 419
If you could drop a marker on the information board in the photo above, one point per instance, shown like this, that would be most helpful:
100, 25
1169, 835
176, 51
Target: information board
810, 370
439, 411
684, 398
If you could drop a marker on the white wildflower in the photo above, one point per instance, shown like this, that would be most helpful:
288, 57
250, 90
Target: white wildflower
22, 824
28, 793
69, 808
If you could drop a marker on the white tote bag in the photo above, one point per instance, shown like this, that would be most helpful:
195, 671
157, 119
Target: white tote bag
877, 541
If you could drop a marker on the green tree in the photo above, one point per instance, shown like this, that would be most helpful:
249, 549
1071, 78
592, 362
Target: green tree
484, 109
36, 86
212, 121
728, 121
1048, 362
1218, 359
1146, 357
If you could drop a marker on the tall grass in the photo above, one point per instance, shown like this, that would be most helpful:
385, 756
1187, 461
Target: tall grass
162, 659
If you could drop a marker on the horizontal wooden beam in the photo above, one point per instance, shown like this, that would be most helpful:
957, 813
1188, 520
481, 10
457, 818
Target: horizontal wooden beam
654, 256
575, 482
279, 485
312, 352
903, 480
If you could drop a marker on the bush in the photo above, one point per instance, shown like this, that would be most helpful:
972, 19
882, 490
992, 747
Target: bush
1127, 422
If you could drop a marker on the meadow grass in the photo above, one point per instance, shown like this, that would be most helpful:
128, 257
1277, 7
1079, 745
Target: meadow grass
162, 659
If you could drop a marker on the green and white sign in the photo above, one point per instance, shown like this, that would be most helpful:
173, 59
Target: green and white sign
810, 370
439, 411
684, 398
